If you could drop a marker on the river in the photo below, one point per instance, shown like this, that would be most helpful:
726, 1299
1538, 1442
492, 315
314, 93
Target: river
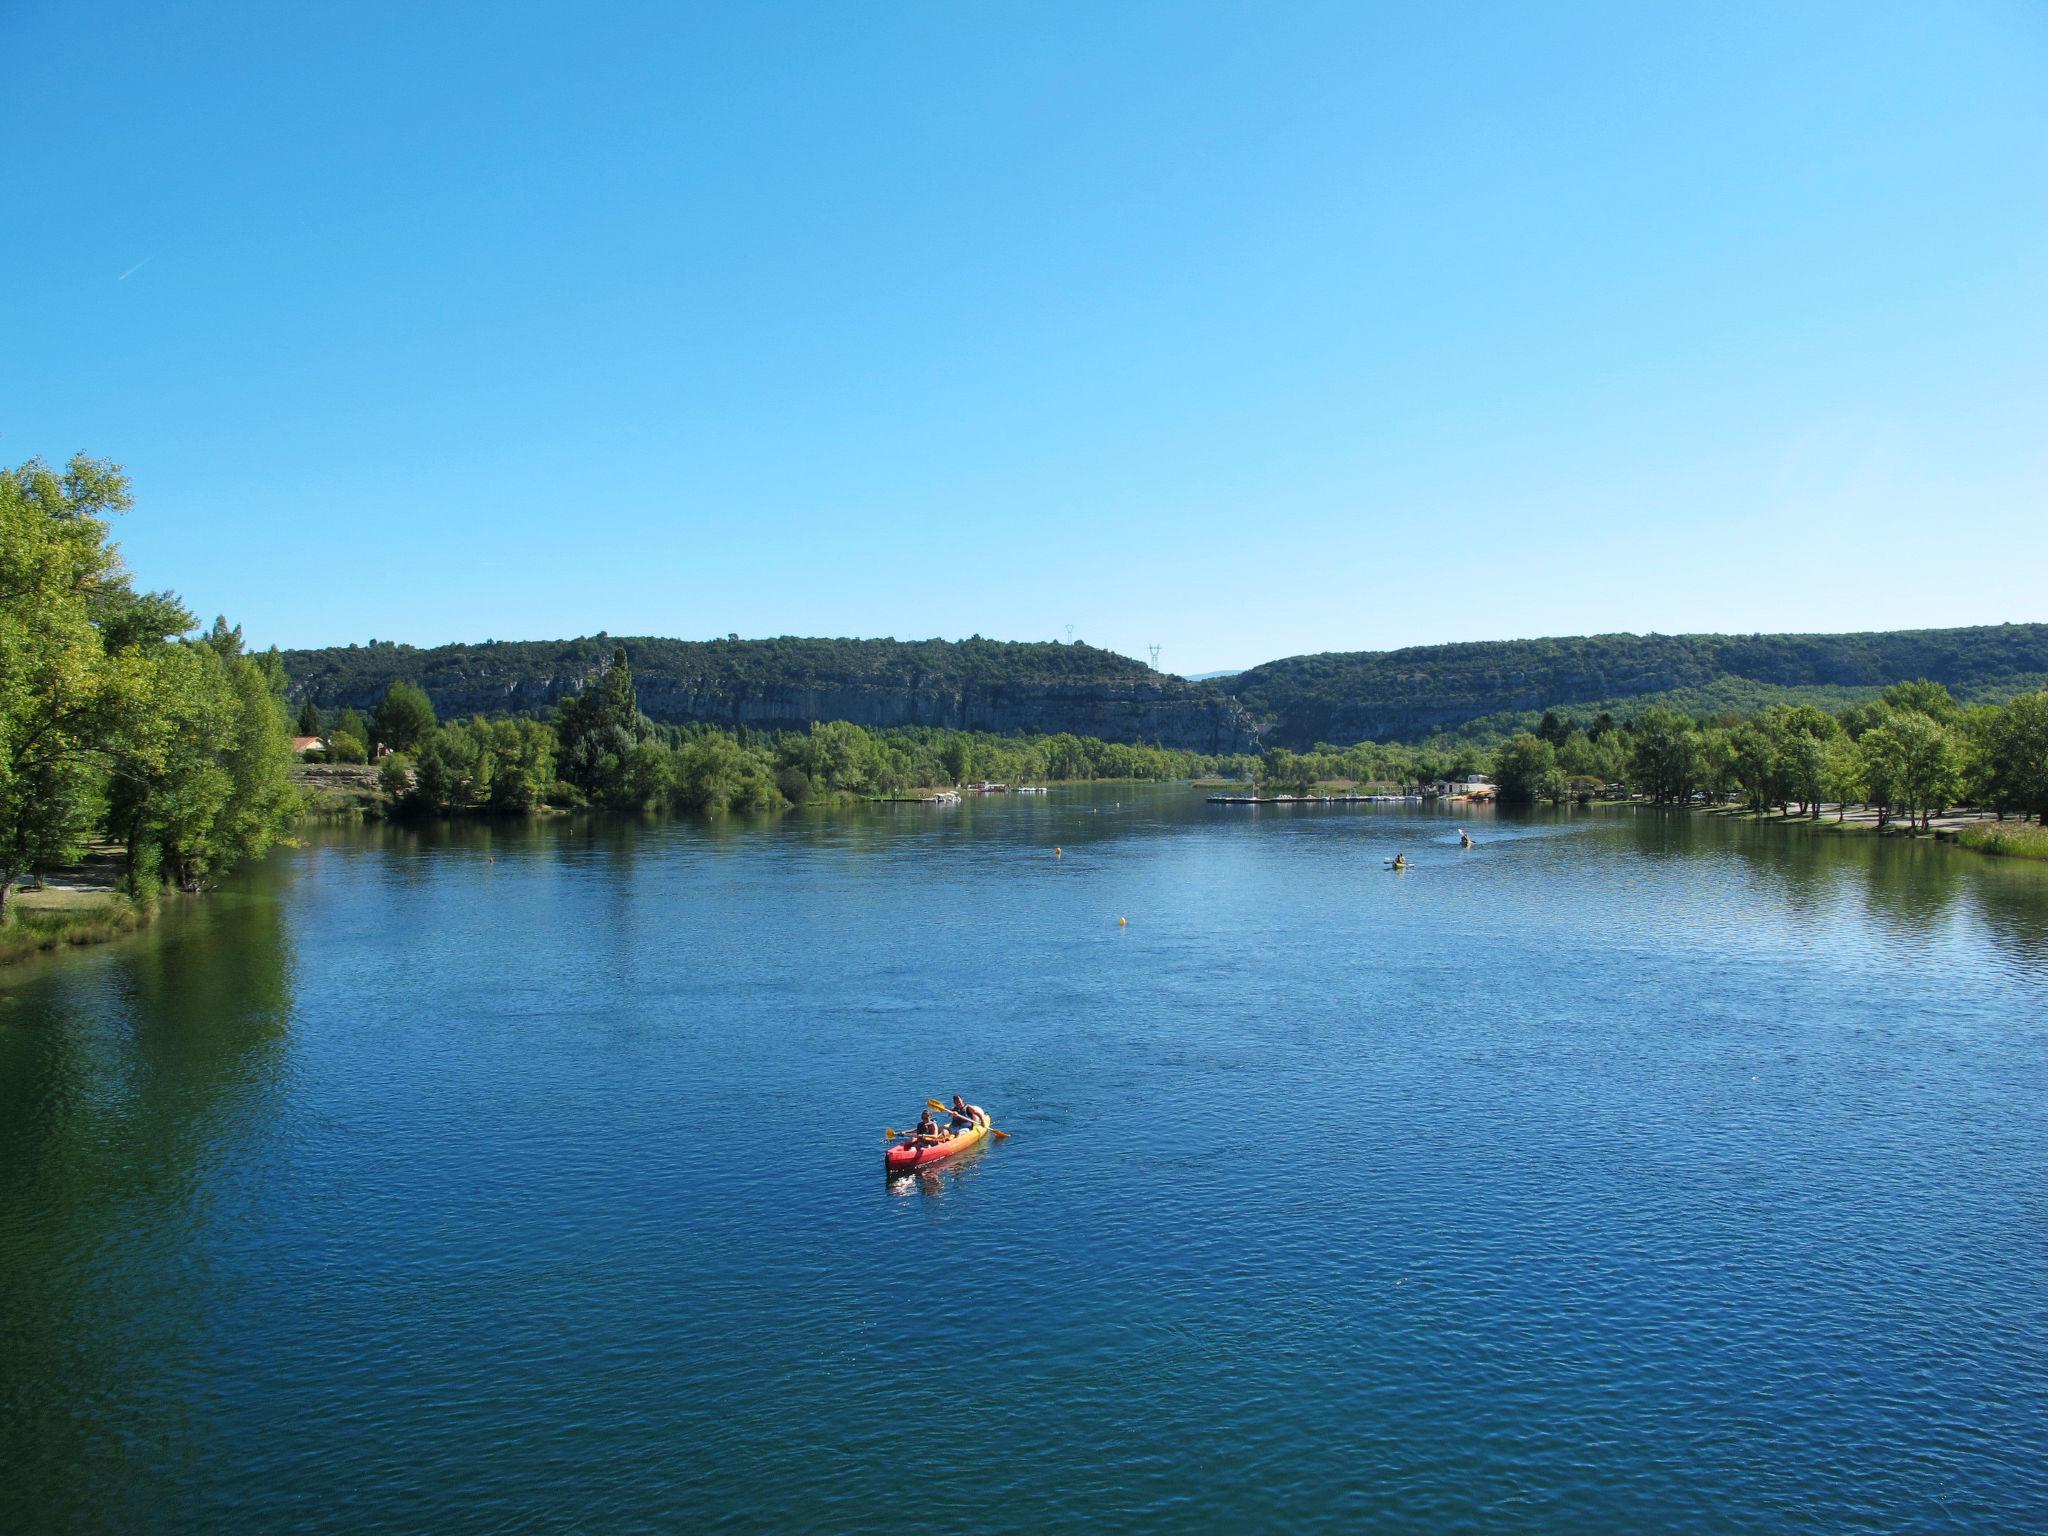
1626, 1172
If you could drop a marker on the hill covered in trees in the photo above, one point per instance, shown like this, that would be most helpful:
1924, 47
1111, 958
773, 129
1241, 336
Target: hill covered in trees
1480, 692
998, 687
1485, 691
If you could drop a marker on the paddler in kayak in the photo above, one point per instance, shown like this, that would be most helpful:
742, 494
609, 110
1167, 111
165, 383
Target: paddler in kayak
926, 1131
963, 1115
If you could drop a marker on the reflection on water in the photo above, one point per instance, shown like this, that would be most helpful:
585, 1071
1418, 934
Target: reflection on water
1626, 1171
138, 1089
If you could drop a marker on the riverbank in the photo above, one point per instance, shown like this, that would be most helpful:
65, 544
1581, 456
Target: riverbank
58, 917
1977, 830
340, 791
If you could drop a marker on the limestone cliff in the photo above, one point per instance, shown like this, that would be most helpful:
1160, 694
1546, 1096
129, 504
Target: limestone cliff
786, 684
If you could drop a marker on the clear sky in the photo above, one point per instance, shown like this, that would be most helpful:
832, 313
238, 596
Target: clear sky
1243, 329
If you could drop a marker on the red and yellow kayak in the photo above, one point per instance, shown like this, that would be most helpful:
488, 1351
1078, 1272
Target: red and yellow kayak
901, 1159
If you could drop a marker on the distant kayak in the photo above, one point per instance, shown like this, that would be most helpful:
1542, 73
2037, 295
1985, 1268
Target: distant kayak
901, 1159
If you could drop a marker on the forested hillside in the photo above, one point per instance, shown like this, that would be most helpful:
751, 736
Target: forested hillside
1487, 690
1002, 687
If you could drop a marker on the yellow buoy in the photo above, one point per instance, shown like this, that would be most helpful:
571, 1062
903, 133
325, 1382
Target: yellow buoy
1123, 922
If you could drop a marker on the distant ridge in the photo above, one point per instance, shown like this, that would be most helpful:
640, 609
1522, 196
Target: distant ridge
1008, 687
1487, 689
1477, 691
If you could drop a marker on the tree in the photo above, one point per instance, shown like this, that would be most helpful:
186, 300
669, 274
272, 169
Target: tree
66, 608
1718, 760
1922, 697
1909, 762
309, 719
406, 718
598, 729
204, 779
1842, 773
1664, 762
1521, 768
715, 773
2013, 756
1756, 748
956, 755
1804, 733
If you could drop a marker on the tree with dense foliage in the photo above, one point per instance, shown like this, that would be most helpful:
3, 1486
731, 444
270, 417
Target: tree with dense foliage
1910, 763
205, 781
1842, 773
1924, 697
405, 719
107, 720
55, 564
346, 747
1665, 761
1523, 767
2012, 756
598, 730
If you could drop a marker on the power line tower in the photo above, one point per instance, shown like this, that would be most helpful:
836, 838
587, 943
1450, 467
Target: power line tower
1070, 634
1155, 656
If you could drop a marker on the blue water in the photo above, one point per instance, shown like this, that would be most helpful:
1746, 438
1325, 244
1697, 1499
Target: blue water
1624, 1173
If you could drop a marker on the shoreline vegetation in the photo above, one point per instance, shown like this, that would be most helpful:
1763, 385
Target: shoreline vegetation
177, 756
39, 926
126, 741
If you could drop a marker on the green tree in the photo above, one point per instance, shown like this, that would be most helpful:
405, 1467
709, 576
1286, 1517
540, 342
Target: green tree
956, 756
598, 728
204, 780
1842, 773
309, 719
1664, 762
1719, 761
2013, 756
71, 678
1923, 697
1522, 767
406, 718
1910, 763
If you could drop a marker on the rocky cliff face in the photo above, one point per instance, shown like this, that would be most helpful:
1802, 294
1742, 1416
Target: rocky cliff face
694, 684
1124, 712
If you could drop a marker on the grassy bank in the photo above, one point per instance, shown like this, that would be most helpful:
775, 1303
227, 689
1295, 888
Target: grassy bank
1978, 831
340, 791
2009, 839
44, 920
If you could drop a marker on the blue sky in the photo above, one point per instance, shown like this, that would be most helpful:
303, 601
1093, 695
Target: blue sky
1246, 330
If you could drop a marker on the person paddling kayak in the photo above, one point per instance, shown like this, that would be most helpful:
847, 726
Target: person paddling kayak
1464, 838
926, 1131
963, 1115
